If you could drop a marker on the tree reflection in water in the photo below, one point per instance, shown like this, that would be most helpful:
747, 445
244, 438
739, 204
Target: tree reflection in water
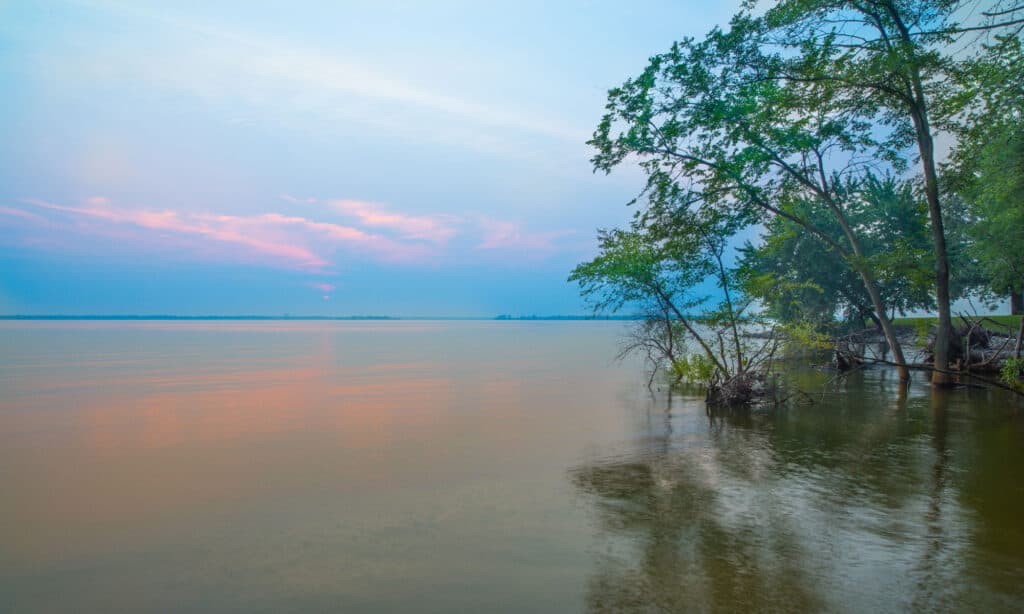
873, 499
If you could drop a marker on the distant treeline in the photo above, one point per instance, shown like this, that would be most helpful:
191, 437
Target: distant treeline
170, 317
588, 317
289, 317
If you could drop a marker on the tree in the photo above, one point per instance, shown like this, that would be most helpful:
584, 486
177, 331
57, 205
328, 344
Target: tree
996, 198
987, 164
802, 280
886, 59
717, 125
657, 266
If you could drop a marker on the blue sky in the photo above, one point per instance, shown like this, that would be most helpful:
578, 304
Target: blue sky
335, 158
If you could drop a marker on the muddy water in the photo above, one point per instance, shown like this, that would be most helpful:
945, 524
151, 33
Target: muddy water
489, 466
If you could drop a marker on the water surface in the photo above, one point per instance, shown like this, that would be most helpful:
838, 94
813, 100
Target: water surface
491, 466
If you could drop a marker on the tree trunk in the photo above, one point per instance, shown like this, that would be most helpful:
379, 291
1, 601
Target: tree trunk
873, 292
1020, 339
1016, 303
887, 328
869, 284
944, 332
874, 319
917, 105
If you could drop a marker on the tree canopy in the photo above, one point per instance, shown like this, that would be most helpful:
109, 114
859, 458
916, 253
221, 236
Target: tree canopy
815, 121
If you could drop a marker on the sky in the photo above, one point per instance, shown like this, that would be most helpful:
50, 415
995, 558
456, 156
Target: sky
305, 158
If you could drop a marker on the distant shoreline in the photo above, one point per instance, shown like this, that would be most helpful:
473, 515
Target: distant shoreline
317, 318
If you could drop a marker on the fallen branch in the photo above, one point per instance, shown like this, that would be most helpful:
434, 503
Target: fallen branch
930, 367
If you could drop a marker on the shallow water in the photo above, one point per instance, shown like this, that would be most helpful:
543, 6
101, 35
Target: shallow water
488, 466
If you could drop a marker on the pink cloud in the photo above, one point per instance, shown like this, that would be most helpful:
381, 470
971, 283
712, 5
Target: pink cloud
501, 234
192, 224
325, 288
273, 239
382, 248
435, 229
269, 238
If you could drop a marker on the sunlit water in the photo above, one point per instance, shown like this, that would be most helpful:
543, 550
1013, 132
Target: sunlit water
478, 466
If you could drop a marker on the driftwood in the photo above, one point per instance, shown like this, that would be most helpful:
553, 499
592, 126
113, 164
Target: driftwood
862, 347
979, 348
991, 360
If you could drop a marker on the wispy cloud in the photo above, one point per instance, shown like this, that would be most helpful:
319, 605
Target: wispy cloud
222, 229
260, 68
506, 235
270, 238
436, 229
279, 240
22, 215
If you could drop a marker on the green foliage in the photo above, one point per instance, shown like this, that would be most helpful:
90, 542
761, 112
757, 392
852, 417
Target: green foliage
634, 269
807, 336
801, 120
801, 279
987, 166
889, 61
655, 266
715, 123
996, 201
922, 328
787, 119
1010, 373
694, 368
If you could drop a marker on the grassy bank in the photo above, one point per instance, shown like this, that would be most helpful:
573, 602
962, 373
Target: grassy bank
1012, 321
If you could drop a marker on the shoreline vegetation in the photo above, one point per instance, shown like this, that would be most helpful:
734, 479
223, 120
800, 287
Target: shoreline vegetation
789, 159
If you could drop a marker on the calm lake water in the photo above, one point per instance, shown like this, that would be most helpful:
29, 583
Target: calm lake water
478, 466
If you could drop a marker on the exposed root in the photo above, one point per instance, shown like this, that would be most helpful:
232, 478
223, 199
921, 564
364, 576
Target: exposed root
749, 389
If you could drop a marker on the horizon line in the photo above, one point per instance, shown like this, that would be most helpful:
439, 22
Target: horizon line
499, 317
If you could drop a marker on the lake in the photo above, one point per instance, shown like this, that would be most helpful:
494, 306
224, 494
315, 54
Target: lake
432, 466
